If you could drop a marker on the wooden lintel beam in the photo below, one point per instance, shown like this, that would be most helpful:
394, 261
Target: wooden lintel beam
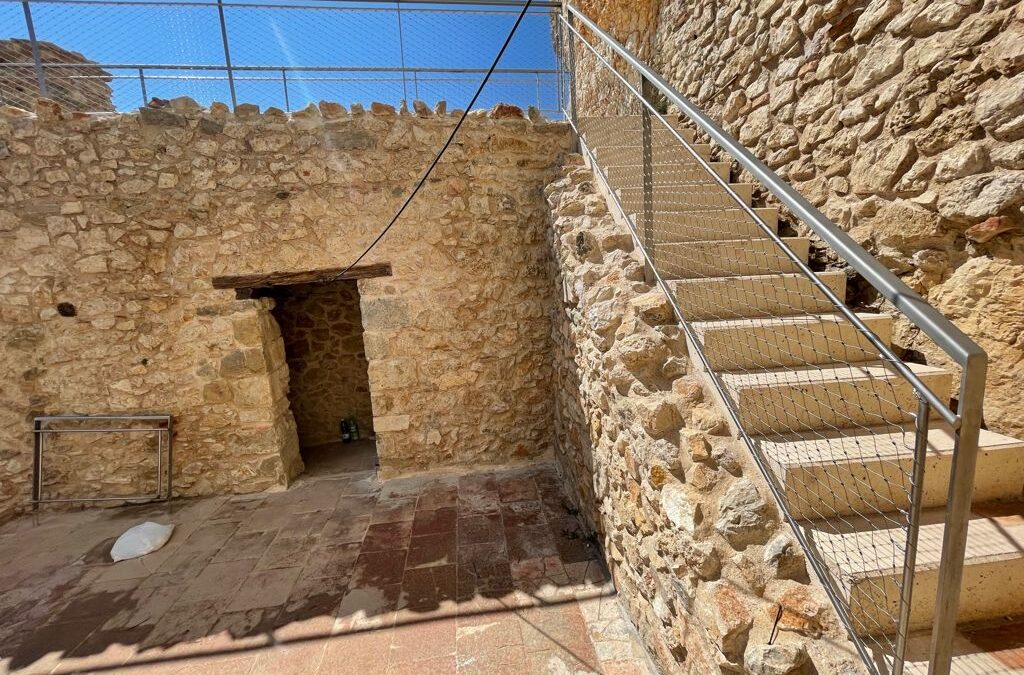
302, 277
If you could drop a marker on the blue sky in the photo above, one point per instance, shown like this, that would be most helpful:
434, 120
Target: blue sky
300, 33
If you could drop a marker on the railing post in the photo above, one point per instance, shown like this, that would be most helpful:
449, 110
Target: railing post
284, 84
401, 52
227, 52
648, 168
571, 71
142, 85
37, 58
913, 530
958, 511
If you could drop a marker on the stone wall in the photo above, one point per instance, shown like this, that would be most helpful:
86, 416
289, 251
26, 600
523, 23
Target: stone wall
903, 120
113, 225
76, 88
323, 340
689, 530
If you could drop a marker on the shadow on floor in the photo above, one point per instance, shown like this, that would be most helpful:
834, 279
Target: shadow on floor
332, 459
434, 574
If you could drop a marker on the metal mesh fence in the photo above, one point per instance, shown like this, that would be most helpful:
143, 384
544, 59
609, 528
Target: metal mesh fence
99, 55
833, 421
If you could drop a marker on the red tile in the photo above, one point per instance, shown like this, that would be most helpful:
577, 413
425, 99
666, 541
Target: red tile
435, 521
387, 537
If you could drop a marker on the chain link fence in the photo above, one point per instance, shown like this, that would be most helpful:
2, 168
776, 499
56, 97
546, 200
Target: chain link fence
102, 55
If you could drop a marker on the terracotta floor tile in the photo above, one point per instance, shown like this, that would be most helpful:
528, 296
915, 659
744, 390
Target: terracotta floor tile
435, 521
379, 568
453, 576
438, 497
394, 510
443, 665
557, 627
217, 580
344, 529
501, 661
269, 588
360, 653
480, 529
479, 503
288, 550
522, 514
431, 550
244, 545
299, 658
365, 608
387, 537
487, 632
519, 489
525, 543
355, 506
423, 641
331, 561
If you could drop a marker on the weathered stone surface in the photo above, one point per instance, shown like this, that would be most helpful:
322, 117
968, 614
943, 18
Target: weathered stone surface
776, 659
658, 485
862, 106
141, 209
722, 611
744, 517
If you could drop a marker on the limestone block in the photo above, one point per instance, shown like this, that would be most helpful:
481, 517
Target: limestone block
743, 515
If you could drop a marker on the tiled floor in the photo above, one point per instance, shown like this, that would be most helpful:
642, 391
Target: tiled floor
330, 459
481, 573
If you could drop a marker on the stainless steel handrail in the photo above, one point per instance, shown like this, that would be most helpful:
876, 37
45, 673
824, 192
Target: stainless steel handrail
965, 352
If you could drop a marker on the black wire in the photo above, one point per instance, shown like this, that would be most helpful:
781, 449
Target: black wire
451, 137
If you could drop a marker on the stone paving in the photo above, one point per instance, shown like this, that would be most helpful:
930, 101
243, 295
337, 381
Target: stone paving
476, 573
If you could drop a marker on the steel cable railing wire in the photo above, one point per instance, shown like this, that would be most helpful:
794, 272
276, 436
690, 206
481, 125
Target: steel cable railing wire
440, 153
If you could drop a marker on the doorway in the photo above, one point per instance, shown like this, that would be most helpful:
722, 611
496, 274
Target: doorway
328, 386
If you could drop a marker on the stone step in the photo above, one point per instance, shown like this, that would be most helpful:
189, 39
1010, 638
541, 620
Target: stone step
621, 151
632, 175
695, 259
681, 197
710, 225
791, 400
629, 123
777, 342
755, 296
850, 471
869, 566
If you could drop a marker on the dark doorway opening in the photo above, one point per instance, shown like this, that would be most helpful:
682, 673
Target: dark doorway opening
328, 386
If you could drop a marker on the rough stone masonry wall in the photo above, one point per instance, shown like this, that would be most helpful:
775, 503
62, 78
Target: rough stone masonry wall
903, 120
112, 225
323, 339
689, 530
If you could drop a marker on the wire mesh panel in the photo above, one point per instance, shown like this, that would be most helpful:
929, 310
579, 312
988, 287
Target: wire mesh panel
835, 421
97, 55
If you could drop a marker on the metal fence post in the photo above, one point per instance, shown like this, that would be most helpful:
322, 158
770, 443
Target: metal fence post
573, 116
913, 530
958, 511
227, 52
37, 58
401, 52
142, 85
648, 168
284, 84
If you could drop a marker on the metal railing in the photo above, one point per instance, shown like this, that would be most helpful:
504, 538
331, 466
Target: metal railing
101, 55
797, 369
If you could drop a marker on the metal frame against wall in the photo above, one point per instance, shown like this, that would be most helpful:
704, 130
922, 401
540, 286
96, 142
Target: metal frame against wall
162, 425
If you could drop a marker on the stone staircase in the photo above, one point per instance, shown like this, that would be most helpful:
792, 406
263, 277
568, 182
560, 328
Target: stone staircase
831, 422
